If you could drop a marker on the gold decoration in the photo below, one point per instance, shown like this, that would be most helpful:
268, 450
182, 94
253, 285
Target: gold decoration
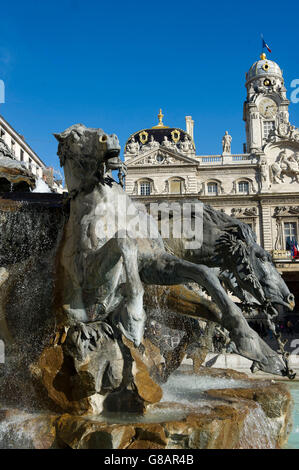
175, 135
160, 117
263, 56
266, 66
143, 136
267, 82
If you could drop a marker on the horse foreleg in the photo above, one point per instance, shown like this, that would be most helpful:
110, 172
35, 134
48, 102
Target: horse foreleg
166, 269
101, 269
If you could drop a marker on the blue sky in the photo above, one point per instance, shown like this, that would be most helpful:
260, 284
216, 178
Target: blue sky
113, 65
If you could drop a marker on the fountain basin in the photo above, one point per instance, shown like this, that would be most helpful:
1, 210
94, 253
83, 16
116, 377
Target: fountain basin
234, 413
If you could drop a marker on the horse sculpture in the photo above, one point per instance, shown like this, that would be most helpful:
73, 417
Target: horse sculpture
229, 247
285, 166
104, 273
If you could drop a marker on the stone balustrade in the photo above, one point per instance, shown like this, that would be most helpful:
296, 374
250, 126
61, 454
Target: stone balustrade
227, 159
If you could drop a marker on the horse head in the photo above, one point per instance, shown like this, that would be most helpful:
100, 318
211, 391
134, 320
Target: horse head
86, 155
253, 267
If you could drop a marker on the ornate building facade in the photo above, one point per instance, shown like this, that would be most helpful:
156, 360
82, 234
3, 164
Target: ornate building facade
259, 186
22, 152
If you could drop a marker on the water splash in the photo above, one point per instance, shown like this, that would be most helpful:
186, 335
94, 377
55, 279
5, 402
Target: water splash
41, 187
258, 432
293, 441
16, 434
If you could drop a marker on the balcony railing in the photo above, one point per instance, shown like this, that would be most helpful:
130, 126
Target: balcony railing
282, 255
242, 159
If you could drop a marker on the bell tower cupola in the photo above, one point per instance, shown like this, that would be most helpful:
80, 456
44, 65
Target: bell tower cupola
266, 106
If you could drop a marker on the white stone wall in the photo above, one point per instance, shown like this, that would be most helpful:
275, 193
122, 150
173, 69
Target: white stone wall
29, 157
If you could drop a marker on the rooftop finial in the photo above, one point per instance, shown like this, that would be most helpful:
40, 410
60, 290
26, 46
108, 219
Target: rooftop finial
263, 56
160, 117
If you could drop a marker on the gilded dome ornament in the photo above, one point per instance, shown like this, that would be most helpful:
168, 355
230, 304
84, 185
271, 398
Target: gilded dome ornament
175, 135
143, 136
160, 124
263, 67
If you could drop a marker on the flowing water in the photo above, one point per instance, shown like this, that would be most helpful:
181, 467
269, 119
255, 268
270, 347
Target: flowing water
25, 429
293, 442
188, 389
21, 430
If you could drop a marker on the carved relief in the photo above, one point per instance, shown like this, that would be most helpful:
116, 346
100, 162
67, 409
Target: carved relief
264, 174
281, 211
285, 131
166, 188
285, 165
187, 146
267, 86
244, 212
153, 144
132, 148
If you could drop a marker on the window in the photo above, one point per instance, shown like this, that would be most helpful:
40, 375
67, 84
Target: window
21, 155
145, 188
176, 186
290, 233
243, 187
268, 127
212, 188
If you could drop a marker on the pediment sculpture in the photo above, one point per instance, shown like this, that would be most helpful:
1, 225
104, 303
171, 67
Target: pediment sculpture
281, 211
244, 212
132, 148
161, 156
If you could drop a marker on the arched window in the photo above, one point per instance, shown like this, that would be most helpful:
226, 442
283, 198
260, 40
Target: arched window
212, 188
145, 188
243, 187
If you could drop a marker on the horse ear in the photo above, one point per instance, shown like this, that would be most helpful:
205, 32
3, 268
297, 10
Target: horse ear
58, 137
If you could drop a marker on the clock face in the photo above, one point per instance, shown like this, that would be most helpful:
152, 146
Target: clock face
268, 108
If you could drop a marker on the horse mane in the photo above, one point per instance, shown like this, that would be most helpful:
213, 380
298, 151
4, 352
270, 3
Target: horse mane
223, 221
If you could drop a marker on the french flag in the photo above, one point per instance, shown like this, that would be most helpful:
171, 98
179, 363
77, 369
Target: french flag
265, 45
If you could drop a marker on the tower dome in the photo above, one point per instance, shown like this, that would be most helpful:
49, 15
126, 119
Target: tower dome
262, 68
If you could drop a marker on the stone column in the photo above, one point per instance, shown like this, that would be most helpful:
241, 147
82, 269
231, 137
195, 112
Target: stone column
266, 227
189, 125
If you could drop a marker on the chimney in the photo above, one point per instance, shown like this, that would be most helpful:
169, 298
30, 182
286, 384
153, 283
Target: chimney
189, 125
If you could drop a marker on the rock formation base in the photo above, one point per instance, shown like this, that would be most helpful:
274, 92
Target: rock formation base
254, 416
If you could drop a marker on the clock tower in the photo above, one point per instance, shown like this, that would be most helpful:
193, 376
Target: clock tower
266, 106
